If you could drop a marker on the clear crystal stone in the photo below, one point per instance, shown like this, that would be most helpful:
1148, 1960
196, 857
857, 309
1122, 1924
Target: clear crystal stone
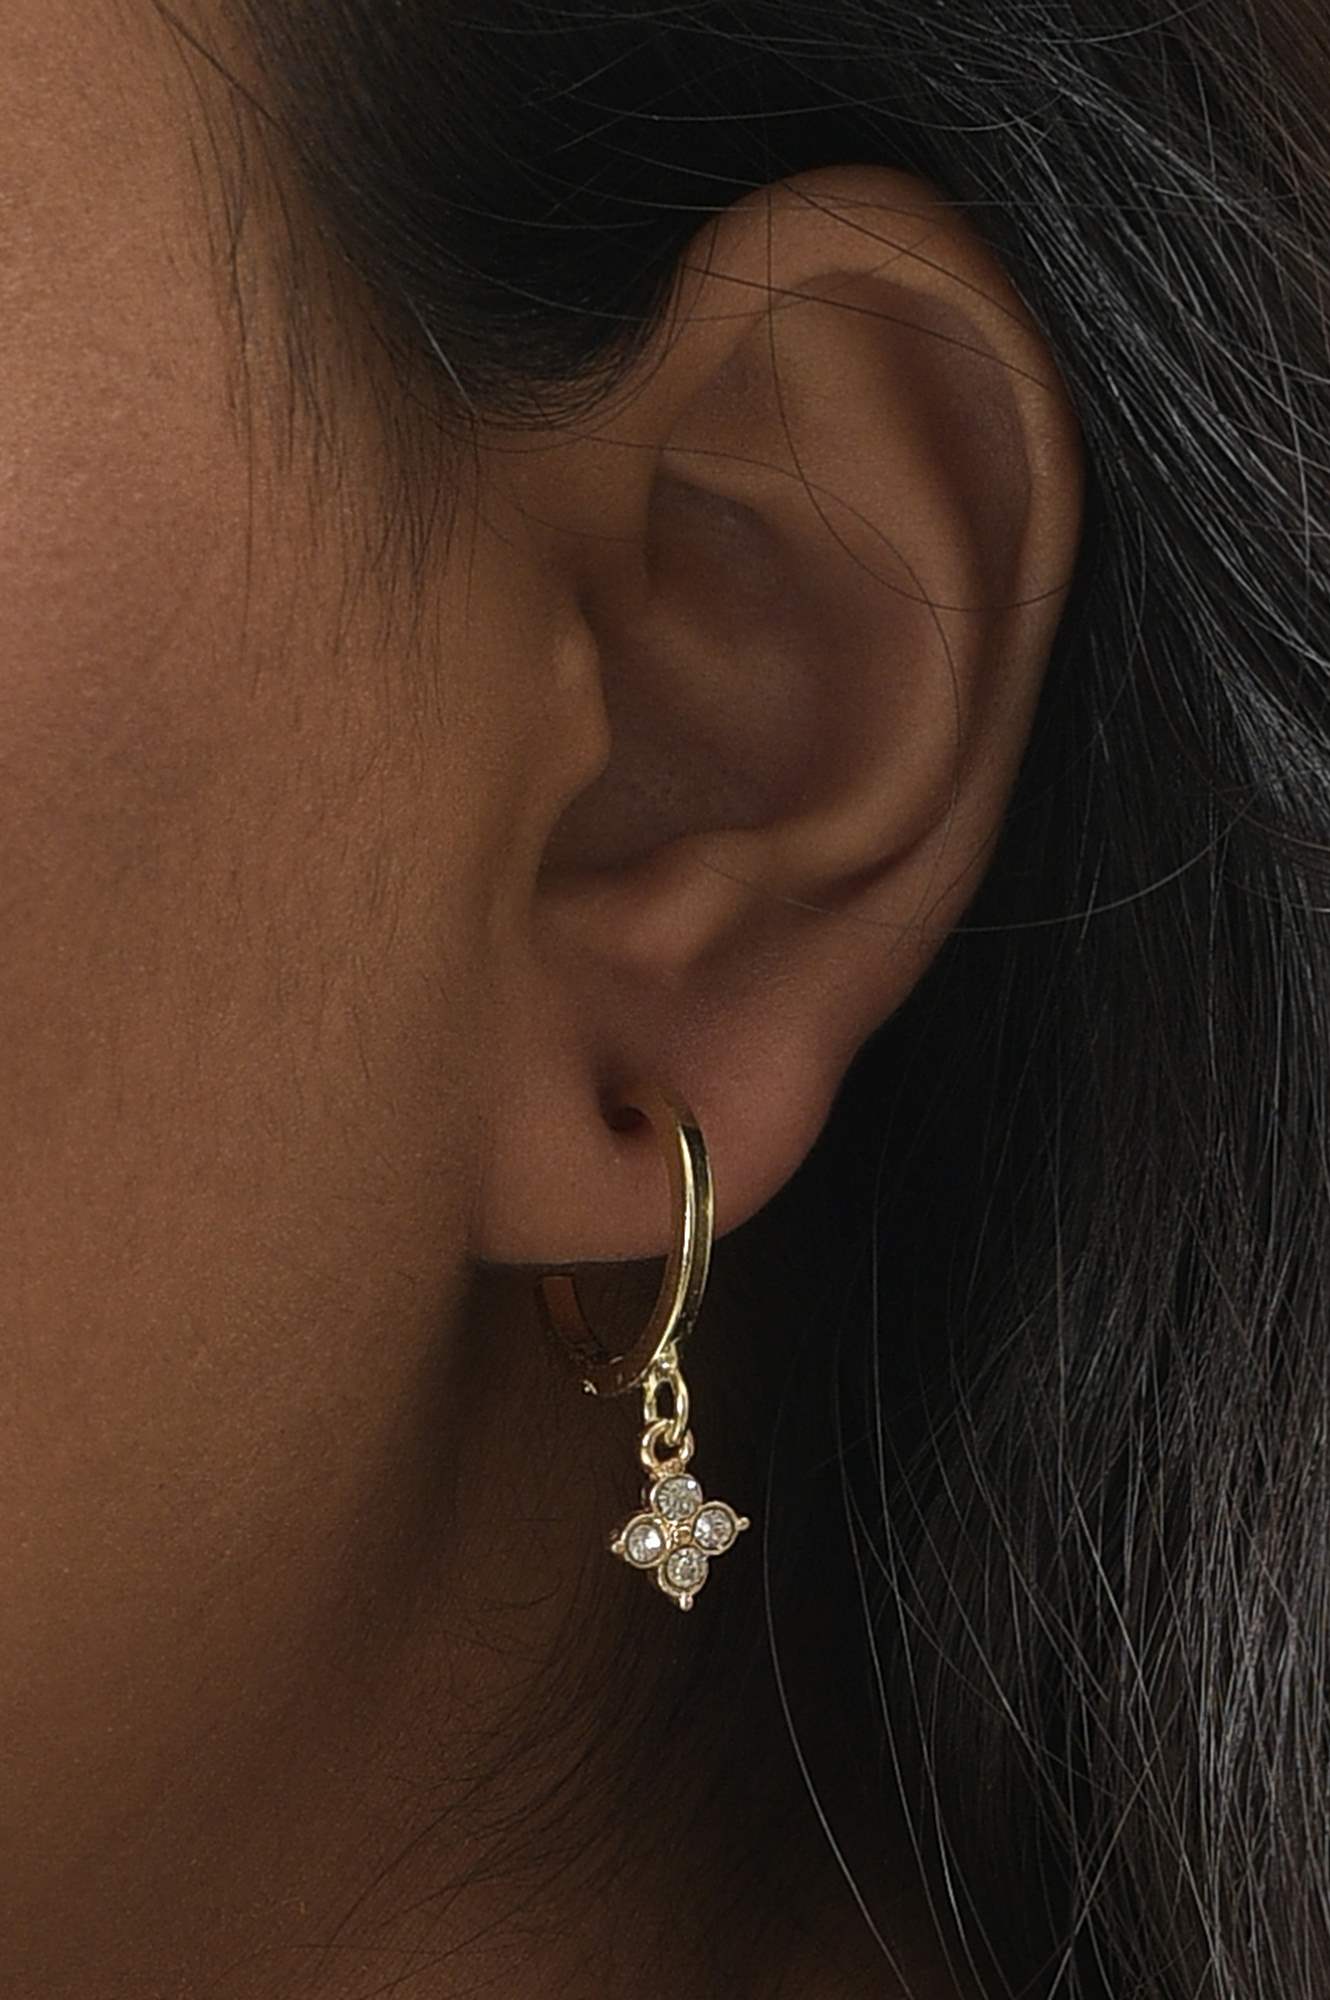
685, 1568
678, 1497
643, 1541
714, 1528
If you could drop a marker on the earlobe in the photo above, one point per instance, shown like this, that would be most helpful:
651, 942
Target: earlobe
821, 543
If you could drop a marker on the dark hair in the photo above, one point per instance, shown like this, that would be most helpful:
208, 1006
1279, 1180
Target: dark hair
1078, 1421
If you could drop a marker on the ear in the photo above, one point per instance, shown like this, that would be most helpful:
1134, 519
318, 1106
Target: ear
806, 569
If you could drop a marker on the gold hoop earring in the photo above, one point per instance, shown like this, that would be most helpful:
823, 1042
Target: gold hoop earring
677, 1530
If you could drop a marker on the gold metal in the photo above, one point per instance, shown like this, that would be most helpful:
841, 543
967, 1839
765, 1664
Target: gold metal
677, 1532
686, 1265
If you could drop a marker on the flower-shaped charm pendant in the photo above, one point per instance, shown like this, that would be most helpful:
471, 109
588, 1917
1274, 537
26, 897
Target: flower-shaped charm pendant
677, 1535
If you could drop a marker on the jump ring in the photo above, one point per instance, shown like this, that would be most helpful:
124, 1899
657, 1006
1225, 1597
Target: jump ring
678, 1417
680, 1450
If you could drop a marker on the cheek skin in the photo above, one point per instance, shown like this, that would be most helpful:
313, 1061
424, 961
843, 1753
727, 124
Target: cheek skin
238, 1080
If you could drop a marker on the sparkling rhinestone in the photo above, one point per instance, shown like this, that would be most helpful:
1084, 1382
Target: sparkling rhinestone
686, 1568
678, 1497
714, 1528
643, 1541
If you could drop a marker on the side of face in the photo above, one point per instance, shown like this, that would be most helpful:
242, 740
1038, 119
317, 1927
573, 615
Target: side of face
333, 890
245, 854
